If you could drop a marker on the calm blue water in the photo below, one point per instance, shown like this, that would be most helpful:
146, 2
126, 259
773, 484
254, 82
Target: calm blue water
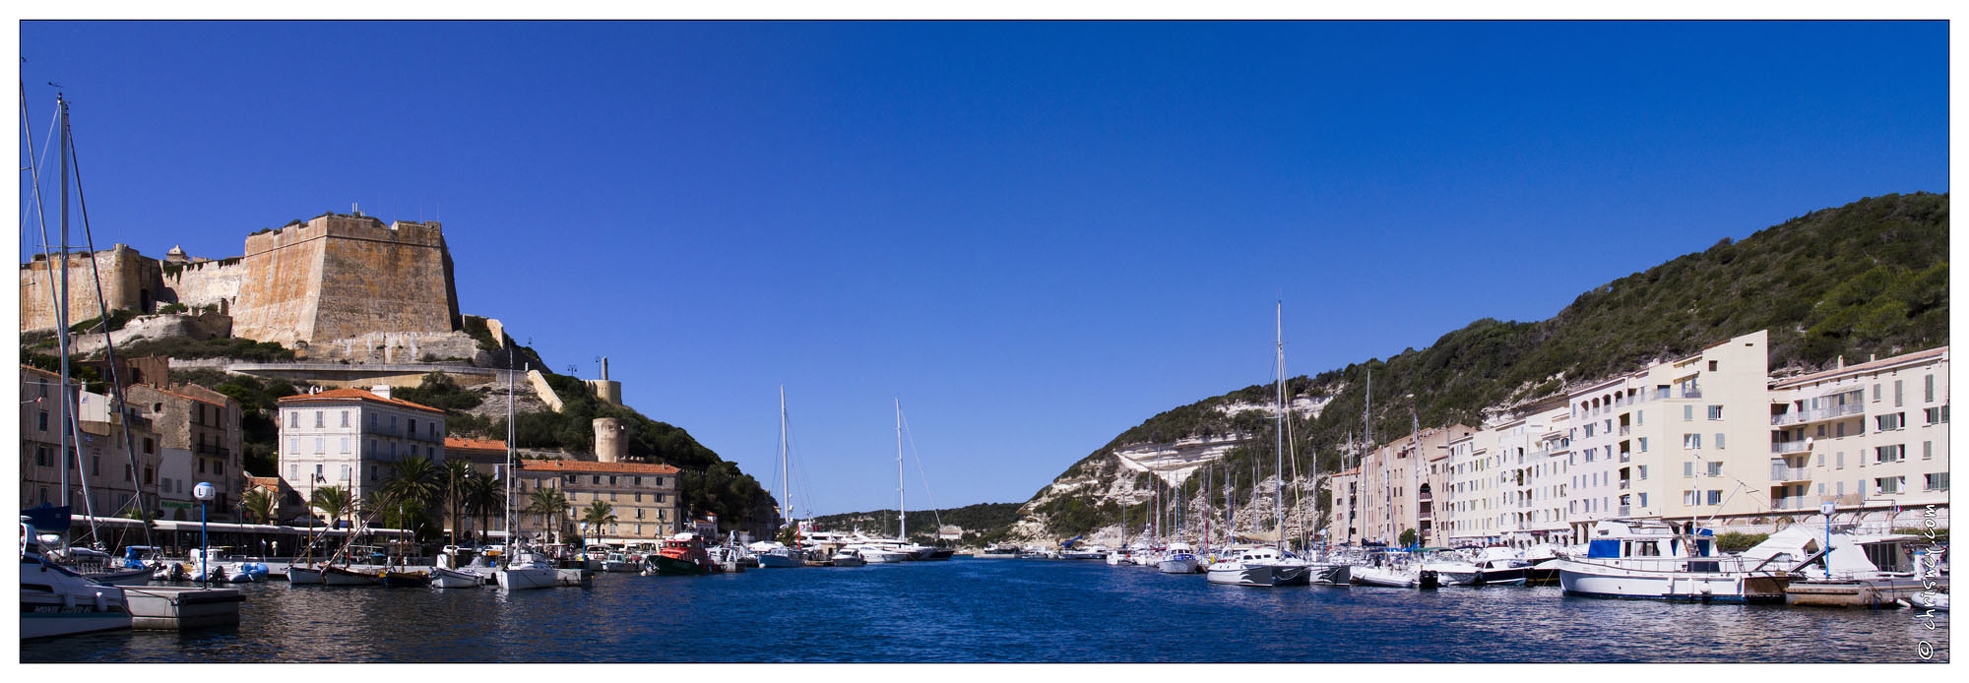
998, 611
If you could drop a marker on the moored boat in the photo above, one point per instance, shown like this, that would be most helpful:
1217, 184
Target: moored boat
1177, 560
1648, 559
680, 555
847, 557
57, 602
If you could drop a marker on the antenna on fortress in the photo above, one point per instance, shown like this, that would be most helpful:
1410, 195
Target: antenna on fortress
355, 208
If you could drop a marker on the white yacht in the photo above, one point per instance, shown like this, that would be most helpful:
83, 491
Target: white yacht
847, 557
1262, 567
526, 570
1177, 560
1861, 570
1649, 559
59, 602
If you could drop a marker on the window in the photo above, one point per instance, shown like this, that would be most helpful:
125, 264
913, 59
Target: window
1839, 430
149, 446
1841, 461
1689, 498
293, 472
1839, 488
1715, 469
372, 447
1639, 418
1888, 484
129, 473
1937, 481
611, 481
345, 473
201, 465
1719, 441
320, 445
1688, 469
410, 429
1715, 497
1928, 393
1589, 430
41, 421
1876, 393
1888, 421
1716, 412
345, 445
1688, 413
1934, 415
43, 457
1897, 393
148, 476
1691, 442
373, 420
319, 417
1821, 459
218, 467
1895, 453
317, 472
1927, 450
345, 418
598, 479
1643, 471
294, 420
1644, 500
294, 445
1644, 444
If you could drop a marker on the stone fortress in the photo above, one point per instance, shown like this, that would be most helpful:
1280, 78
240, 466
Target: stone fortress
337, 288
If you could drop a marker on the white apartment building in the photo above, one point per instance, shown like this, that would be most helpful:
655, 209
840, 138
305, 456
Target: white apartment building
1866, 437
353, 438
1508, 484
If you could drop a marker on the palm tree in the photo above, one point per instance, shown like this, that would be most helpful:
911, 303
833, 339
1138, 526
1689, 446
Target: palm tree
457, 474
414, 482
258, 505
484, 496
551, 505
333, 501
598, 513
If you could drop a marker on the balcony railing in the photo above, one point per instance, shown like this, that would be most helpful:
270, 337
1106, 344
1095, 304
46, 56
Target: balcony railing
1624, 484
1780, 473
1624, 429
1790, 446
1804, 416
214, 449
1625, 510
1792, 503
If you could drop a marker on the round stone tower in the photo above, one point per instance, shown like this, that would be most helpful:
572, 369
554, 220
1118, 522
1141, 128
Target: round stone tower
609, 446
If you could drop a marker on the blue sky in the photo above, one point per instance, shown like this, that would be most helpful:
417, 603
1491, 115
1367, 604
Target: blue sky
1036, 235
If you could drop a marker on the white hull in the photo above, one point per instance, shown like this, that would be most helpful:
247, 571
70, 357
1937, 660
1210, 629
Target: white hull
1177, 565
56, 602
304, 576
526, 578
455, 578
1609, 581
848, 561
1388, 578
1237, 574
880, 556
620, 566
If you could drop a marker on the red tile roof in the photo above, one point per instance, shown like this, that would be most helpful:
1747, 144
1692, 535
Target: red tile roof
602, 467
355, 395
455, 443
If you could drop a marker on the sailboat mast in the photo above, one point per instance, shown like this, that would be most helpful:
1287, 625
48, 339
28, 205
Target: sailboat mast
1278, 489
902, 515
510, 445
61, 309
785, 484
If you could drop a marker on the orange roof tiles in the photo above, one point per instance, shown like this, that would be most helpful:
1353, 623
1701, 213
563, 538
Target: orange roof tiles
602, 467
455, 443
355, 395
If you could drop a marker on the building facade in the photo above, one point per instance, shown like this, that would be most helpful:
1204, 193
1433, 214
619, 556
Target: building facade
353, 438
200, 435
1871, 435
643, 497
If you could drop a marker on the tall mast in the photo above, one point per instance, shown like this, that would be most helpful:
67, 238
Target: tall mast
1278, 489
785, 485
902, 517
61, 309
510, 445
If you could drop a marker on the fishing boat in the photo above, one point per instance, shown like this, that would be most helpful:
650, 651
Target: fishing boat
618, 562
680, 555
1652, 560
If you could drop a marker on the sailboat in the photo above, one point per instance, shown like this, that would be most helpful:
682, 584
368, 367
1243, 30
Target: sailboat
1268, 567
521, 569
773, 553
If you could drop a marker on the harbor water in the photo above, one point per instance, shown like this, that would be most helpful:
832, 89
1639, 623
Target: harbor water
969, 610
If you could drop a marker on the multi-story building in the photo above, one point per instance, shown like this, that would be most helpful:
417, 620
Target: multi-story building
1344, 516
353, 438
1394, 482
200, 436
642, 496
114, 454
1868, 436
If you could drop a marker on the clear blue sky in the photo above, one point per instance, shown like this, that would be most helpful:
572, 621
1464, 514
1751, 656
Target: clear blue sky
1035, 234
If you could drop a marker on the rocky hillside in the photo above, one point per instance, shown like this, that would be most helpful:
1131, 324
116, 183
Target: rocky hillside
1870, 277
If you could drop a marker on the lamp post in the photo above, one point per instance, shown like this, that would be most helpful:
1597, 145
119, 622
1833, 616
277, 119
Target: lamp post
1827, 509
204, 492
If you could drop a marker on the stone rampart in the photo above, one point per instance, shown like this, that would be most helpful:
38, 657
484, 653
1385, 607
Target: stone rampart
340, 277
129, 281
198, 284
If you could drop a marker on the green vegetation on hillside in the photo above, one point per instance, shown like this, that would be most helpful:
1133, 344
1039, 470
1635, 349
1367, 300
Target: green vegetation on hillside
982, 523
1867, 278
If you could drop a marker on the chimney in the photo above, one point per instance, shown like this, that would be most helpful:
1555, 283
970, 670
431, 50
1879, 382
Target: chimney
382, 390
604, 368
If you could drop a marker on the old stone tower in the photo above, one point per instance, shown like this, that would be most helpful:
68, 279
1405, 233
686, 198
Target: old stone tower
337, 277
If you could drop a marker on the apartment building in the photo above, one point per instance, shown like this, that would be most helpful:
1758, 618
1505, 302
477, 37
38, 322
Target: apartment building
644, 497
353, 438
1395, 489
114, 454
200, 437
1871, 435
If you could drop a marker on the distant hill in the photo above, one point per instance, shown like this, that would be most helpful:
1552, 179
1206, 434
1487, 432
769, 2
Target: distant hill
978, 521
1870, 277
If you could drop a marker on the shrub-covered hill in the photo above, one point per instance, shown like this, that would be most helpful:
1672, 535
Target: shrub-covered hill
1870, 277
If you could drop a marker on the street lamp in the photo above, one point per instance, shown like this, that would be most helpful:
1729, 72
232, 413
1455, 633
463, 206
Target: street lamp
1827, 509
204, 492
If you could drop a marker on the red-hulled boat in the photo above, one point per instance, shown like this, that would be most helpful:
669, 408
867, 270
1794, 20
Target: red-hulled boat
680, 555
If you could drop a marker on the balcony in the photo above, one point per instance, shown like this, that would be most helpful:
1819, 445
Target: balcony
213, 449
1819, 415
1624, 483
1793, 503
1624, 429
1790, 446
1782, 473
1626, 510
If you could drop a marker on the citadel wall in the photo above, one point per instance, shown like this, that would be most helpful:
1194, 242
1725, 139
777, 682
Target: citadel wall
338, 277
129, 280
